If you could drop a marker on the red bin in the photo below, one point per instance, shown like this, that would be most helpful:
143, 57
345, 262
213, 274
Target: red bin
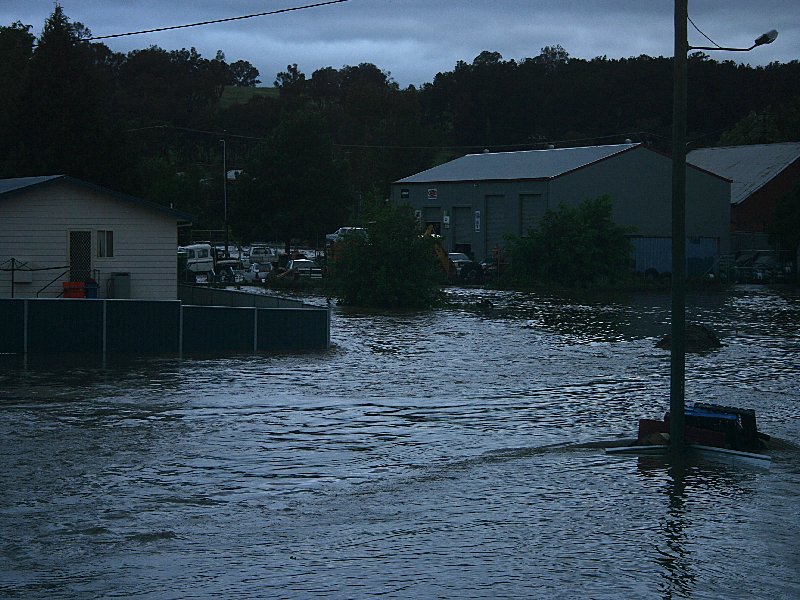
74, 289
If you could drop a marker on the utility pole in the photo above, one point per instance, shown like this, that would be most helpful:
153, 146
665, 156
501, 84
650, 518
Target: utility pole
677, 401
225, 195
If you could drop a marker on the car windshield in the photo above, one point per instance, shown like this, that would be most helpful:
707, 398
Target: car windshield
458, 256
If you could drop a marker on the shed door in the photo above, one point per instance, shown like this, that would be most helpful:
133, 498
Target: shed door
496, 219
80, 255
532, 208
462, 228
432, 216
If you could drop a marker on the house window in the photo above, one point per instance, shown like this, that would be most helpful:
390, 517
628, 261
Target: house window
105, 243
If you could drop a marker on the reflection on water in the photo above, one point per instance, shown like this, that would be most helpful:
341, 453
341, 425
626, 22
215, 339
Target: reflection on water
424, 455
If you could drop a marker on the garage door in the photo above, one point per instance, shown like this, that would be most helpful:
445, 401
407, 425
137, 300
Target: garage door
462, 227
497, 218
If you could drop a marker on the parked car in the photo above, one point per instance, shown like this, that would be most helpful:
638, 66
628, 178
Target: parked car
466, 268
262, 255
257, 273
303, 267
344, 232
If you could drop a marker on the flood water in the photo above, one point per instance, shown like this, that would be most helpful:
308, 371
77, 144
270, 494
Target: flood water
423, 456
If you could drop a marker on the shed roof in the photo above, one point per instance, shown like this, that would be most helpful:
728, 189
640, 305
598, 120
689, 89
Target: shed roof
749, 167
19, 184
526, 164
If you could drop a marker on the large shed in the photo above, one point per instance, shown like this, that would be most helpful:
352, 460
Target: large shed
761, 174
475, 201
57, 229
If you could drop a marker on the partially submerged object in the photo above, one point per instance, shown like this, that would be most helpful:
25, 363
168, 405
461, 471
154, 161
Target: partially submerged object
709, 429
698, 338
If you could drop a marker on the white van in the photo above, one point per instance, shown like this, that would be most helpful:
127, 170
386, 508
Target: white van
199, 258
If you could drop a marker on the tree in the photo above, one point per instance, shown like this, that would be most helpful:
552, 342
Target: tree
244, 74
293, 186
572, 246
16, 48
66, 90
393, 266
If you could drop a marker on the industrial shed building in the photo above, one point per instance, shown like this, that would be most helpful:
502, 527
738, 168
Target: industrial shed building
761, 175
475, 201
57, 229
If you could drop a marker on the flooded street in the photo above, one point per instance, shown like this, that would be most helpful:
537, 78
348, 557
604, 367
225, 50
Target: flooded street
422, 456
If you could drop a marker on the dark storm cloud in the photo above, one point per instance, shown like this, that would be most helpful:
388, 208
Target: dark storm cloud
415, 39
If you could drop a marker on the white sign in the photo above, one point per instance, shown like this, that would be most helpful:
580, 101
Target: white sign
433, 194
477, 221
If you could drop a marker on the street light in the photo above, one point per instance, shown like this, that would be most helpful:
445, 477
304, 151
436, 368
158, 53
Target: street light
677, 402
225, 196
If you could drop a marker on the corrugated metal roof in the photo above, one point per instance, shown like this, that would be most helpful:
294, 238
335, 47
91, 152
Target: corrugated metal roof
528, 164
16, 184
749, 167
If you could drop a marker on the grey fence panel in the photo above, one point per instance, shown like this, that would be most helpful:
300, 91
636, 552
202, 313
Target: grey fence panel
214, 329
65, 325
12, 326
293, 329
141, 326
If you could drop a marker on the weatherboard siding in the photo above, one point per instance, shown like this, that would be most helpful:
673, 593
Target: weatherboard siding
35, 225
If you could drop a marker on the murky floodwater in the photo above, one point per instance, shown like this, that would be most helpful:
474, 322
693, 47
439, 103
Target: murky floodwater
418, 458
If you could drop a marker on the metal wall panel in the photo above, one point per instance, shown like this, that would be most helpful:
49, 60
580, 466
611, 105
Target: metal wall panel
139, 326
216, 329
65, 325
12, 314
292, 329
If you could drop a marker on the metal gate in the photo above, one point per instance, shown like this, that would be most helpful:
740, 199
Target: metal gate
80, 255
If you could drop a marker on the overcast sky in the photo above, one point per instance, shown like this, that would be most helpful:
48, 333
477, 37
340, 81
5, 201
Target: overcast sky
415, 39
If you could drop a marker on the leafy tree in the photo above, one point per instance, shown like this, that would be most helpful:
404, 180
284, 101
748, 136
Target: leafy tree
572, 246
293, 187
16, 48
393, 266
244, 74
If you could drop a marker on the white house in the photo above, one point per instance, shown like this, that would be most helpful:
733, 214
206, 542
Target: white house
57, 230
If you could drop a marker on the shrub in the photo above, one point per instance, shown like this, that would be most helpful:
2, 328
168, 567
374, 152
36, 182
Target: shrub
393, 266
572, 246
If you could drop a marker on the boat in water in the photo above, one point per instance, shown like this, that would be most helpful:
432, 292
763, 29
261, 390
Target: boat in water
710, 429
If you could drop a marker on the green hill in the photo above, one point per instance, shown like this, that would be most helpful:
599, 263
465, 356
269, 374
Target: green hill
242, 95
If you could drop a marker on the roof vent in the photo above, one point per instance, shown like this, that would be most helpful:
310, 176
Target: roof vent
629, 141
486, 151
550, 146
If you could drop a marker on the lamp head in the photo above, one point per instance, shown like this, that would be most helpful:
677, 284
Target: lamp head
766, 38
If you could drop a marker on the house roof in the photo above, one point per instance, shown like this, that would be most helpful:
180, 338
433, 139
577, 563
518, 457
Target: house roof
749, 167
20, 184
527, 164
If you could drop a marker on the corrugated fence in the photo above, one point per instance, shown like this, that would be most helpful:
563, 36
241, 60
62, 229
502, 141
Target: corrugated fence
87, 325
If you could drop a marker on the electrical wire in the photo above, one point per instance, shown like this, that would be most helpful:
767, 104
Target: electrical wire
701, 33
215, 21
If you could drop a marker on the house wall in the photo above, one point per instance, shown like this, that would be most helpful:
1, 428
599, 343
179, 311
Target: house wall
34, 226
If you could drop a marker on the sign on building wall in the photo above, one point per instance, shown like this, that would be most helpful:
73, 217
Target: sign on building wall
404, 193
477, 221
433, 194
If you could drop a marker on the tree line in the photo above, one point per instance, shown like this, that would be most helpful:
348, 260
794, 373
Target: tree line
325, 147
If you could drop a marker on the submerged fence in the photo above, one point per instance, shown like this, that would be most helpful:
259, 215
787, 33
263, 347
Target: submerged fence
67, 325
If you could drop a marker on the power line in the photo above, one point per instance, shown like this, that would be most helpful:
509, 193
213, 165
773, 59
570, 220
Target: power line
215, 21
701, 32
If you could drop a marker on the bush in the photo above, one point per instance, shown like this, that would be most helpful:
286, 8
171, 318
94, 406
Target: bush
393, 266
572, 246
